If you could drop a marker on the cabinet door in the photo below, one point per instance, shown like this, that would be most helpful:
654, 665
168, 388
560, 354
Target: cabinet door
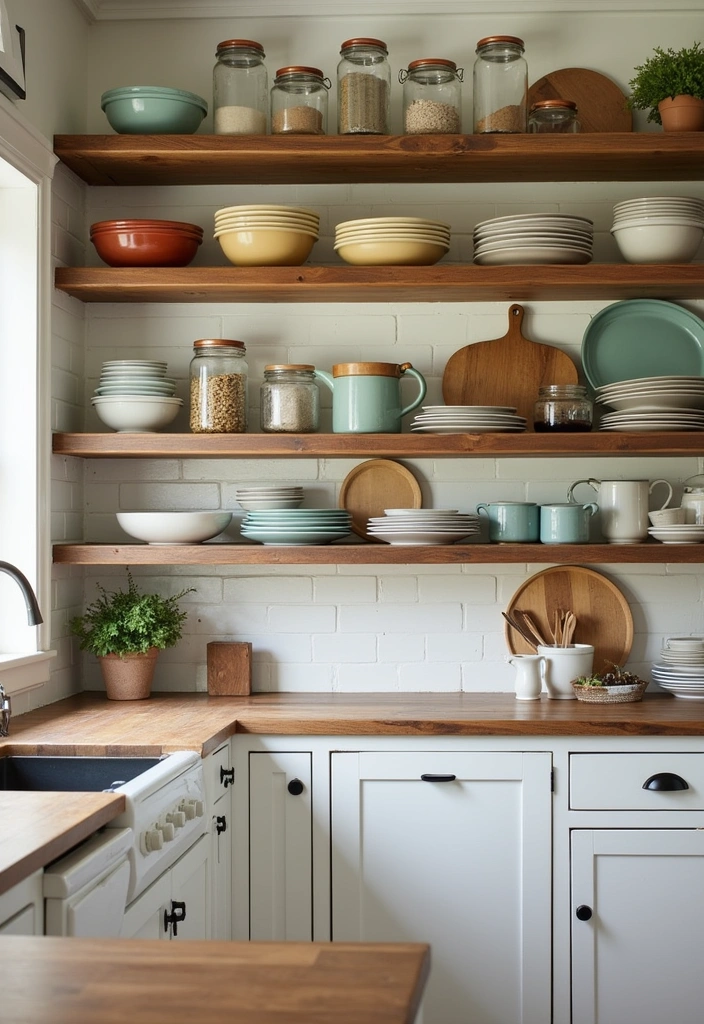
635, 958
144, 917
280, 846
190, 885
21, 908
460, 859
221, 869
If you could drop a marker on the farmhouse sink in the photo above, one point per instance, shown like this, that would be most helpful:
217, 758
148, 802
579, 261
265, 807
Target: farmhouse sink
70, 774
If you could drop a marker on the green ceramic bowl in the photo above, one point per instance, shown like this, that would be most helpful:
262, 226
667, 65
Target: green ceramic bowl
152, 110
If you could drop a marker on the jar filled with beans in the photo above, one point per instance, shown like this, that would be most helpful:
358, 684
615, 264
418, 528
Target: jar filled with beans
432, 99
299, 102
218, 387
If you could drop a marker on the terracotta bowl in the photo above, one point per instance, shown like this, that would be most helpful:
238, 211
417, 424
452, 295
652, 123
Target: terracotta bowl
134, 243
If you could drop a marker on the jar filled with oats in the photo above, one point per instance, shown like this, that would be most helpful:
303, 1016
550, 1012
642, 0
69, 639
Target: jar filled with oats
500, 86
240, 88
299, 102
432, 97
363, 87
218, 387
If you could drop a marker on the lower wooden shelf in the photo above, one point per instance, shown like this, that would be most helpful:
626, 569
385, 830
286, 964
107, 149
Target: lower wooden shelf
373, 554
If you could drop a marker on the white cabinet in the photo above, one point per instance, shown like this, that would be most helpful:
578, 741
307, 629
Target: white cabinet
280, 846
451, 848
219, 782
177, 904
22, 908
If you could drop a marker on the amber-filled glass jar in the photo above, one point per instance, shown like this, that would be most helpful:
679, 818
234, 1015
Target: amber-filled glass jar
562, 408
500, 81
299, 102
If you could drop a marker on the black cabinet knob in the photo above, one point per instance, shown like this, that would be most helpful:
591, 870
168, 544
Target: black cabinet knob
178, 913
227, 776
665, 782
583, 912
295, 787
220, 823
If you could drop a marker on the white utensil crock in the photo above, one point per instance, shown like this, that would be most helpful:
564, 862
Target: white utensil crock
562, 665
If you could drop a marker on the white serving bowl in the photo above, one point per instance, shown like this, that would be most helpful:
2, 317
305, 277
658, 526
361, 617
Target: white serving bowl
136, 414
174, 527
658, 242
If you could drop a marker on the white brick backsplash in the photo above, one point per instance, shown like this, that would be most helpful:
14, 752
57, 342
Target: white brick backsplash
459, 647
346, 590
366, 679
439, 618
280, 648
307, 677
260, 590
337, 648
177, 497
296, 619
401, 589
489, 677
429, 678
397, 647
229, 621
434, 589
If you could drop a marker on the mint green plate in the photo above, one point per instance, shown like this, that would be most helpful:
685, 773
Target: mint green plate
642, 338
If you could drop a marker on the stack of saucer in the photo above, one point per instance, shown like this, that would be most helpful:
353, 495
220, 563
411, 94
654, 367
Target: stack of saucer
468, 419
530, 238
286, 527
253, 499
678, 533
680, 670
413, 526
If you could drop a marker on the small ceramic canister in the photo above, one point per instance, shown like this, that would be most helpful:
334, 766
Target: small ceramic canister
512, 522
566, 523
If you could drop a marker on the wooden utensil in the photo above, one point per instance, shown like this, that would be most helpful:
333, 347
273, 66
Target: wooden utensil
601, 611
519, 629
376, 485
601, 106
505, 371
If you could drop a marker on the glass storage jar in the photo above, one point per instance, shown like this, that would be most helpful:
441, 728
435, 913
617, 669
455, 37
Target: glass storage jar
289, 399
562, 408
363, 88
432, 97
218, 387
240, 88
299, 102
553, 117
500, 80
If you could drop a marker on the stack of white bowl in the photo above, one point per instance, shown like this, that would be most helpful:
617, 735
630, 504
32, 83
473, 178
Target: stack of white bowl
392, 241
531, 238
416, 526
264, 496
135, 395
659, 229
265, 235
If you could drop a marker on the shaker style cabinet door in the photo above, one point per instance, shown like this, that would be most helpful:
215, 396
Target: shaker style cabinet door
452, 849
280, 846
637, 913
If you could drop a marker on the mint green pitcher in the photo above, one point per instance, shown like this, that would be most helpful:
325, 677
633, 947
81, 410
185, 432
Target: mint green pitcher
366, 397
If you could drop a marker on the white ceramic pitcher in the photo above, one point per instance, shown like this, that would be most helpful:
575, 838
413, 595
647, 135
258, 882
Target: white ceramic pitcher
624, 507
530, 669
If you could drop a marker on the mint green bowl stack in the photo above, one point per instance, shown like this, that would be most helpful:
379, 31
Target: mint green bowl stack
153, 110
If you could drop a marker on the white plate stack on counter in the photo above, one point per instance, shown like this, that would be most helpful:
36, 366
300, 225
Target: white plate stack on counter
415, 526
680, 670
468, 419
531, 238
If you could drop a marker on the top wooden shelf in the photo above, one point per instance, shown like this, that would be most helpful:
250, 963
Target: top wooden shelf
305, 159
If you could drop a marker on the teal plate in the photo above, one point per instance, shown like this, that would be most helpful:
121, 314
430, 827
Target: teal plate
642, 338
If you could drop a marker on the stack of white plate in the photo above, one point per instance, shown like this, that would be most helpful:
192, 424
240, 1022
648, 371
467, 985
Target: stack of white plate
531, 238
253, 499
653, 403
680, 533
286, 527
392, 241
680, 670
468, 419
135, 395
414, 526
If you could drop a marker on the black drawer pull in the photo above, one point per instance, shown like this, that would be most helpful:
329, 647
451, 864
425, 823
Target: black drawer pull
438, 778
665, 782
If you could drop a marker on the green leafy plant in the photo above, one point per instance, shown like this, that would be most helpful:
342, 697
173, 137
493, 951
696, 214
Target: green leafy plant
669, 73
615, 676
128, 622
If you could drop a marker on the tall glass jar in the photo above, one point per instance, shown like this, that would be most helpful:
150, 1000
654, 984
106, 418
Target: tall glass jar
553, 117
562, 408
240, 88
432, 97
289, 399
500, 86
218, 387
299, 102
363, 88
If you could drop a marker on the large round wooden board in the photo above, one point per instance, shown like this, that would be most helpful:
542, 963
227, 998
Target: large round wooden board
600, 103
603, 616
376, 485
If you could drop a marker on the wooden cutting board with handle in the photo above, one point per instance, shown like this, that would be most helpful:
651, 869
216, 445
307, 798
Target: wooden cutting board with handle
505, 371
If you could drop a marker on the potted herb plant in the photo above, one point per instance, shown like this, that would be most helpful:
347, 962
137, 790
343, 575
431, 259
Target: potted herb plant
671, 86
126, 630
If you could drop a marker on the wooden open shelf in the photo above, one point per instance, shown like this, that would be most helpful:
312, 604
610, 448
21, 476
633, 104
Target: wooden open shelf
374, 554
284, 159
361, 446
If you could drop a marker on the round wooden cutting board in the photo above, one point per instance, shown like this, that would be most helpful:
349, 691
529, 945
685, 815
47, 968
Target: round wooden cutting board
376, 485
603, 615
601, 106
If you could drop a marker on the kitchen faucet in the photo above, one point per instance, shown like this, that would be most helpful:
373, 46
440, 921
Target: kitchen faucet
34, 617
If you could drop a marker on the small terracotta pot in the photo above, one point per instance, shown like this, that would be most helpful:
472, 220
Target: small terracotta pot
129, 677
682, 114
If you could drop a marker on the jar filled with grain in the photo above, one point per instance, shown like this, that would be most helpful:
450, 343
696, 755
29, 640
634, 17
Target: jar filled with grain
553, 117
289, 399
240, 88
363, 88
218, 387
299, 102
500, 86
432, 97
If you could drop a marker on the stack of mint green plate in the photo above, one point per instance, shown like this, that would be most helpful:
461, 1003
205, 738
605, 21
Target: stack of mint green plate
287, 527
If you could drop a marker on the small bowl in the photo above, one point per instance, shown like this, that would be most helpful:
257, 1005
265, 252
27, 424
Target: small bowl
391, 253
260, 504
146, 244
174, 527
658, 242
266, 247
136, 414
152, 110
667, 517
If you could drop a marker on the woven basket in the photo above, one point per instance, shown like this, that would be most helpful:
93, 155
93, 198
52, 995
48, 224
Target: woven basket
609, 694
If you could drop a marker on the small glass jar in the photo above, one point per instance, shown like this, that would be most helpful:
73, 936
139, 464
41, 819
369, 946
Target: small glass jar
500, 86
562, 408
553, 117
289, 399
432, 97
363, 88
240, 88
299, 102
218, 387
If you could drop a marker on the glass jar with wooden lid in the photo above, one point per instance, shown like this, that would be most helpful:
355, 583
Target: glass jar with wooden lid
240, 88
289, 399
500, 79
363, 87
553, 117
299, 102
432, 97
218, 387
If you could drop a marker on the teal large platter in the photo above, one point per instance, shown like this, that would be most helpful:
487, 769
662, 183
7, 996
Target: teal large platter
642, 338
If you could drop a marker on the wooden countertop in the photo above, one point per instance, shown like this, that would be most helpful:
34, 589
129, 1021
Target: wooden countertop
36, 828
105, 981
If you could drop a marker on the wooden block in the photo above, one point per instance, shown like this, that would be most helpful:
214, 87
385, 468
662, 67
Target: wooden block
229, 669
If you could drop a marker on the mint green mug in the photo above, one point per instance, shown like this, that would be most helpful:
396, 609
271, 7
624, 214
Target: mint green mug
366, 397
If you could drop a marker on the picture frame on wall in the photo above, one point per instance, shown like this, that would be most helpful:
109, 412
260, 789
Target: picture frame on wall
12, 56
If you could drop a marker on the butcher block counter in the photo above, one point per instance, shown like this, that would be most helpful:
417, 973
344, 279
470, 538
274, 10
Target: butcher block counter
83, 981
